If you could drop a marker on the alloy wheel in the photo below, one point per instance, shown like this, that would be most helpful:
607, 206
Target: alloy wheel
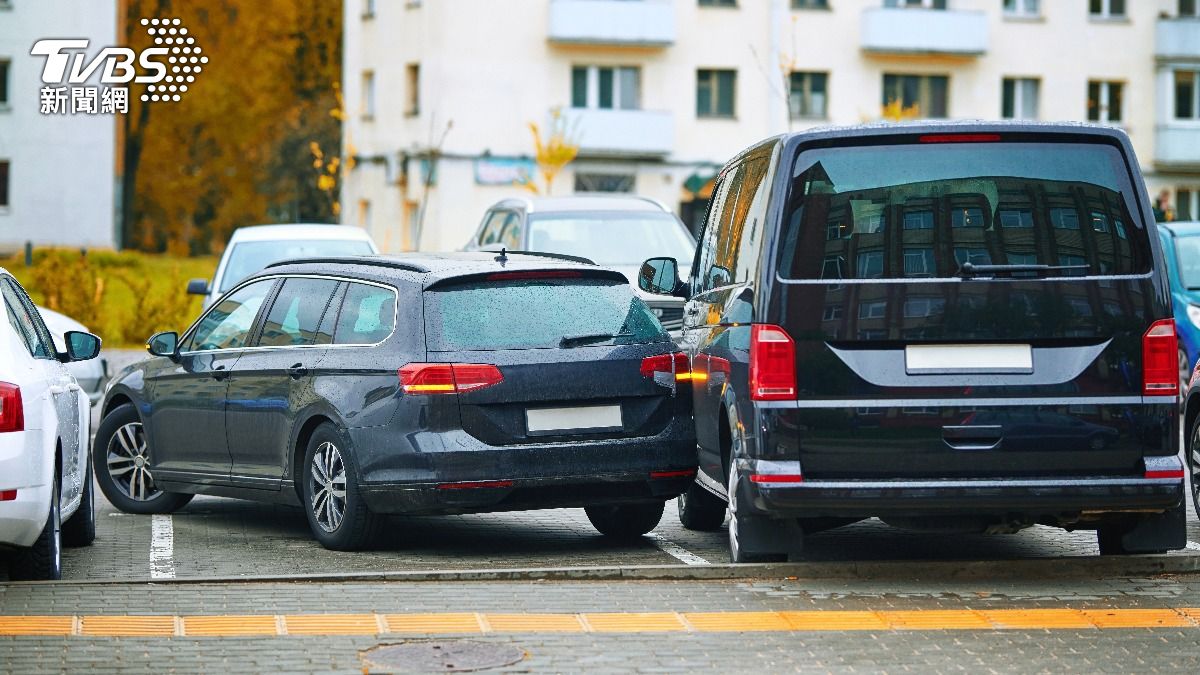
129, 463
327, 487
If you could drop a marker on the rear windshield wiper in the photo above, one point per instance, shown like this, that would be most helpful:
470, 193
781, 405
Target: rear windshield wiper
571, 340
967, 270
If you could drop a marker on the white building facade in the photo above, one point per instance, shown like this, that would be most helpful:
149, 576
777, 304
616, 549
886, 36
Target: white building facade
56, 170
660, 93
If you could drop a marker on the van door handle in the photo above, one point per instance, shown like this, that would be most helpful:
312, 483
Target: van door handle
297, 371
973, 436
219, 373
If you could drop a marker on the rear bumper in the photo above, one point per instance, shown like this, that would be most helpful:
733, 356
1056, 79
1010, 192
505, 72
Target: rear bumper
1034, 498
524, 494
397, 478
22, 519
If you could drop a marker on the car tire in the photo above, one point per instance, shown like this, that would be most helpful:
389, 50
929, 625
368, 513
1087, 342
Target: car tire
339, 523
740, 550
700, 509
625, 521
80, 528
121, 464
1192, 455
43, 560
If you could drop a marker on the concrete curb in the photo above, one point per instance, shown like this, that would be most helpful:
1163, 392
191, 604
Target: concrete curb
915, 570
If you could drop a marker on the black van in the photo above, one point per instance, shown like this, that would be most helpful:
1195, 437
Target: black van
962, 327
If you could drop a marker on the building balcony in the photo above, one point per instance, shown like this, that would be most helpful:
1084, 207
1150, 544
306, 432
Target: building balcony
622, 133
1177, 38
634, 23
924, 31
1177, 145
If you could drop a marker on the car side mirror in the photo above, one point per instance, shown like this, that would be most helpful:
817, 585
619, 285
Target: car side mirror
80, 346
164, 344
659, 276
197, 287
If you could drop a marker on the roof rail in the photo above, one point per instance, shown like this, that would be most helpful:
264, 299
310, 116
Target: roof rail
356, 260
555, 256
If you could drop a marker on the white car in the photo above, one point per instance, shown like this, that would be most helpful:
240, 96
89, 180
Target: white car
46, 496
251, 249
91, 374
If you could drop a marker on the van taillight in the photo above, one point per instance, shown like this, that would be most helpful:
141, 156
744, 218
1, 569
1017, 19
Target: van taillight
668, 364
1160, 368
12, 411
448, 378
772, 364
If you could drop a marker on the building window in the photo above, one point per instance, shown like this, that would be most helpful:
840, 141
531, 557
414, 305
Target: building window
1189, 8
4, 184
1020, 98
918, 262
1187, 95
606, 88
1022, 7
1016, 218
1064, 219
927, 92
918, 220
368, 9
926, 4
975, 256
603, 182
832, 313
807, 94
1107, 8
1187, 201
4, 68
810, 4
715, 92
368, 94
970, 216
1104, 101
870, 265
718, 3
412, 77
872, 310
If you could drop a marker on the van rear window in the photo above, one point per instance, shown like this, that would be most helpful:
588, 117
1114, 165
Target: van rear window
910, 211
536, 313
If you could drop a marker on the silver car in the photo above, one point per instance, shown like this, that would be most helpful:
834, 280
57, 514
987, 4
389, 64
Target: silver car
614, 231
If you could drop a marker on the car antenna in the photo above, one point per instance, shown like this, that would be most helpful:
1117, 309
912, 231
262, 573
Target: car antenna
503, 257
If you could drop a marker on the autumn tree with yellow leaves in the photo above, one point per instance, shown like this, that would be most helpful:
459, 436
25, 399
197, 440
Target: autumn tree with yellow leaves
553, 150
238, 148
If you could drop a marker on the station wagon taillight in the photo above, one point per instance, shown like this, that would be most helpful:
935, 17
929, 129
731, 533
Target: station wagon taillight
772, 364
448, 378
12, 411
668, 365
1160, 367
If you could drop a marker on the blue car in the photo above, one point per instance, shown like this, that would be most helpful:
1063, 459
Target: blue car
1181, 248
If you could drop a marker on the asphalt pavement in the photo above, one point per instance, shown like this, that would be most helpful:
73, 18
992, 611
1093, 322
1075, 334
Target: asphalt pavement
227, 585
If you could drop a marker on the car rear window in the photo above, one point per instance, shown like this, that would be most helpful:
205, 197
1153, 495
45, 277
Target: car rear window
910, 211
368, 315
535, 314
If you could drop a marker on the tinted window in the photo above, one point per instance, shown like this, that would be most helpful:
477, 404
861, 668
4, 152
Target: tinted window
535, 313
296, 313
249, 257
923, 210
228, 325
611, 238
368, 315
19, 319
27, 321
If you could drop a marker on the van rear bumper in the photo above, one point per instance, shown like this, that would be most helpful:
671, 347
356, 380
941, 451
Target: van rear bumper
1035, 498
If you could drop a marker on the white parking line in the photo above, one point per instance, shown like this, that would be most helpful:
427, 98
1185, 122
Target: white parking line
676, 551
162, 547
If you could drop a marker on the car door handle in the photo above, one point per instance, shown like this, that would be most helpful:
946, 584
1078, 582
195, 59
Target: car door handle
219, 373
56, 389
297, 371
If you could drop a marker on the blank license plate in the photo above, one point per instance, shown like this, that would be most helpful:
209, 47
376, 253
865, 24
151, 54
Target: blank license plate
950, 359
594, 418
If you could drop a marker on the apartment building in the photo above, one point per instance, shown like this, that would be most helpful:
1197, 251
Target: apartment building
56, 170
659, 93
